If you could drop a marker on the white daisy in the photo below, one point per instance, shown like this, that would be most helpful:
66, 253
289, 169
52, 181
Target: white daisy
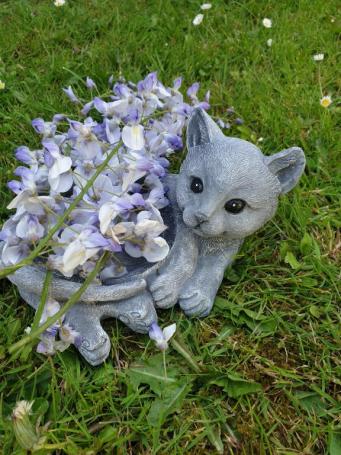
198, 19
318, 57
267, 22
326, 101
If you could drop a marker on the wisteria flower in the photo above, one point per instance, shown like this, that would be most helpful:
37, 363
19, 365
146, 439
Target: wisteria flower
198, 19
132, 136
122, 210
58, 336
267, 23
161, 336
69, 335
59, 177
148, 244
90, 83
69, 92
326, 101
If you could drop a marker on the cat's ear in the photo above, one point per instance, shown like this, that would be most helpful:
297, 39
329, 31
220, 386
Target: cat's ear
288, 166
202, 129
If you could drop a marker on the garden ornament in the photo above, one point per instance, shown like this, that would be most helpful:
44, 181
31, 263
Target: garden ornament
225, 191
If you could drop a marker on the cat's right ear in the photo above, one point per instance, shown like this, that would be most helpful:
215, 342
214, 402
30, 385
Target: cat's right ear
288, 166
202, 129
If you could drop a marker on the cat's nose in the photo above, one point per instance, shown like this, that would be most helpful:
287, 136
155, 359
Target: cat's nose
201, 217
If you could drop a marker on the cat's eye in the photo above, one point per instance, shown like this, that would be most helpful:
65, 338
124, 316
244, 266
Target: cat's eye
235, 205
196, 185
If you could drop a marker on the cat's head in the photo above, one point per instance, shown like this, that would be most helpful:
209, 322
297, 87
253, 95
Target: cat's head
226, 186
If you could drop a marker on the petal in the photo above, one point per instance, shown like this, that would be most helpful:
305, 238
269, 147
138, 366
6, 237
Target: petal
13, 254
132, 137
149, 228
156, 250
107, 214
169, 331
68, 334
74, 255
155, 333
133, 250
62, 183
46, 347
19, 199
131, 177
51, 308
61, 165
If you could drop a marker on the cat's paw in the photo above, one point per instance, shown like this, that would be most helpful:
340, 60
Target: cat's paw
196, 304
165, 293
95, 346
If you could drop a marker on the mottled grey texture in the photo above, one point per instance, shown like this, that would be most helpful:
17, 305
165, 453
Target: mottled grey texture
204, 237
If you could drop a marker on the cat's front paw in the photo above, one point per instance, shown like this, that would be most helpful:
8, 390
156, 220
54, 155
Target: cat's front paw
196, 304
164, 291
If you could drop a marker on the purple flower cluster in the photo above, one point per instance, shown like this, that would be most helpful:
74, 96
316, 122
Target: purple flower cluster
121, 211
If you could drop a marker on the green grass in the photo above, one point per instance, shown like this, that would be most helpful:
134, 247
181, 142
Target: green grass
276, 322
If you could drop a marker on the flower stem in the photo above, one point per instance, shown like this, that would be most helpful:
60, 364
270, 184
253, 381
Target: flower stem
72, 300
182, 350
43, 299
164, 363
42, 244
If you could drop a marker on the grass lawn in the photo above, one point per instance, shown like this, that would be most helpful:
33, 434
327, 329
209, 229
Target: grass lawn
262, 373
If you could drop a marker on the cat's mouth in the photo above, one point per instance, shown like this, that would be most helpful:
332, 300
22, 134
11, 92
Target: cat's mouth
201, 228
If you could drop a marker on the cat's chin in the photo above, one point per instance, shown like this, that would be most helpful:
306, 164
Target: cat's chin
205, 234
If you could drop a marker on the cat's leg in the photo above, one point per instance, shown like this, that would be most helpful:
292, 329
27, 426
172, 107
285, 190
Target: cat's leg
94, 343
138, 312
178, 267
198, 293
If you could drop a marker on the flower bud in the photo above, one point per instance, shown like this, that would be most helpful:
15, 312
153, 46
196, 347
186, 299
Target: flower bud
24, 430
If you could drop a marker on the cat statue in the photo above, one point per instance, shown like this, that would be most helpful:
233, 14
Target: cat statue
226, 190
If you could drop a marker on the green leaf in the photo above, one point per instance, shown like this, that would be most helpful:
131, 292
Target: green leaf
170, 403
335, 443
235, 386
213, 433
151, 372
314, 310
306, 244
103, 375
311, 402
259, 323
231, 275
108, 434
292, 261
40, 406
283, 249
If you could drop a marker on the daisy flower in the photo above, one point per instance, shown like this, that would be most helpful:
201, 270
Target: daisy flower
267, 23
198, 19
326, 101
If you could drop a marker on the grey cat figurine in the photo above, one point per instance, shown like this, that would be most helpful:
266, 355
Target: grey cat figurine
226, 190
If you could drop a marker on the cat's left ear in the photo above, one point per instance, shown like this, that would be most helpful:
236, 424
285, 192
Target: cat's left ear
288, 166
202, 129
